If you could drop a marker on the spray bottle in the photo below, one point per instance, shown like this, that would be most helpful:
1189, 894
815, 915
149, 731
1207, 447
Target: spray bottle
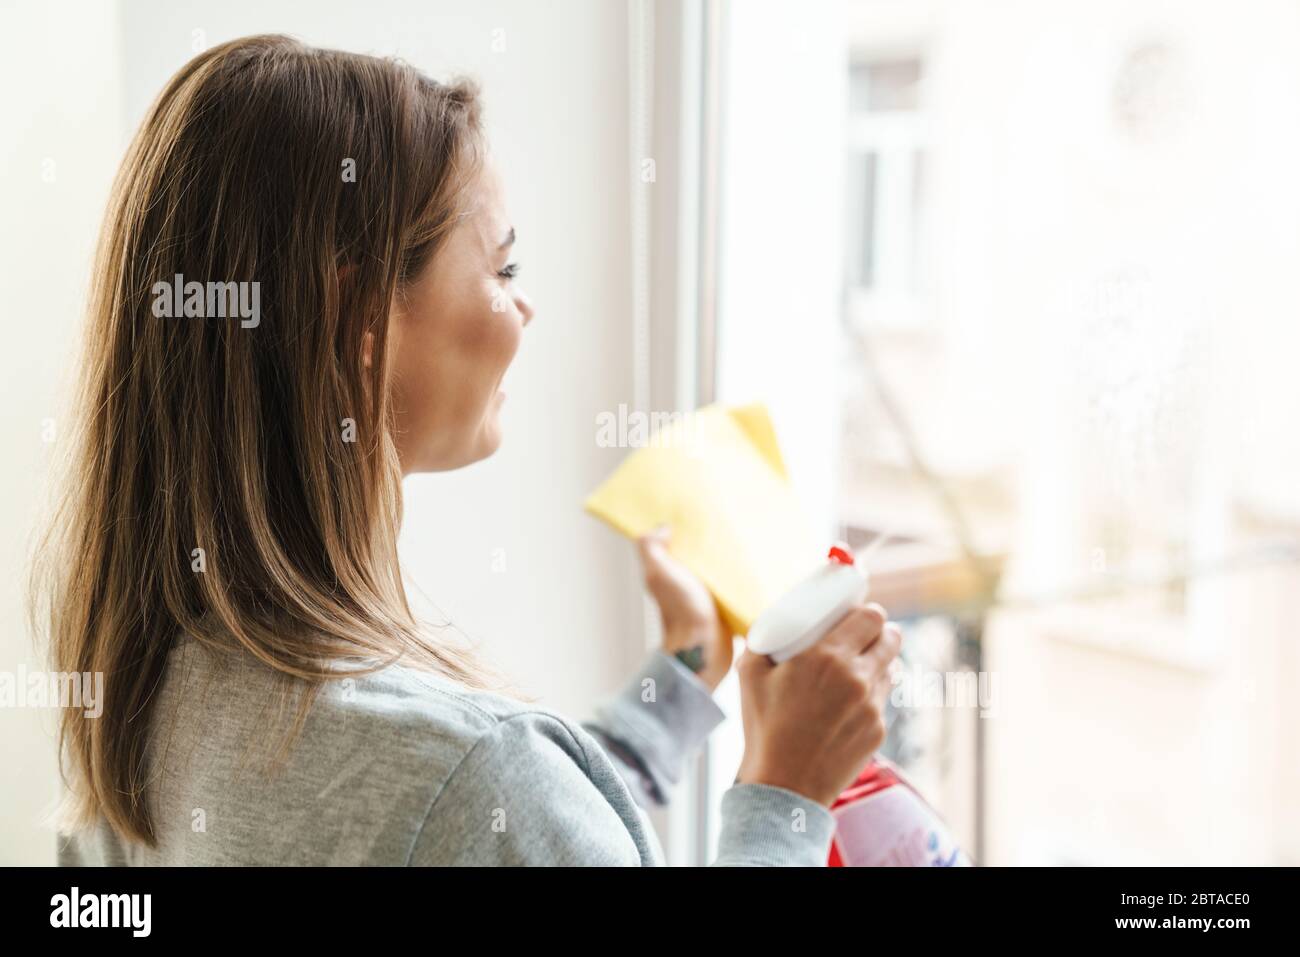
880, 819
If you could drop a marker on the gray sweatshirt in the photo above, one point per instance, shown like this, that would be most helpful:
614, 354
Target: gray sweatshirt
404, 767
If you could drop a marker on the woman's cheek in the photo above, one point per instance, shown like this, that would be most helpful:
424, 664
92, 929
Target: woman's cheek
514, 334
507, 328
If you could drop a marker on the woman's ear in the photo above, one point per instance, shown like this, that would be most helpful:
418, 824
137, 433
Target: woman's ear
367, 349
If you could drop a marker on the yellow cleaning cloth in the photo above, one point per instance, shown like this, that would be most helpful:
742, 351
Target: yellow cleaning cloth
717, 477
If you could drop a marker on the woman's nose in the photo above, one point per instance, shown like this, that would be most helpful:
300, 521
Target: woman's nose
525, 307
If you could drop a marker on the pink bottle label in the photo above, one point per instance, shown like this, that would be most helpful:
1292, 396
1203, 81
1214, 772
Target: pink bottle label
881, 822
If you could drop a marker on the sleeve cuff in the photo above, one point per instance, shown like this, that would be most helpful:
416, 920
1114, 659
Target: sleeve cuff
768, 826
662, 715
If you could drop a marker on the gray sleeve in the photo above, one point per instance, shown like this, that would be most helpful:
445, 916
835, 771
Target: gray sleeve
660, 718
657, 721
768, 826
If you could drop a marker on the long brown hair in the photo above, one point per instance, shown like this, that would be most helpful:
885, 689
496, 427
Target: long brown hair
236, 480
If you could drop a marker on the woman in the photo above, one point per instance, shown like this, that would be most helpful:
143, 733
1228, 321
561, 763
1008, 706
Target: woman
303, 293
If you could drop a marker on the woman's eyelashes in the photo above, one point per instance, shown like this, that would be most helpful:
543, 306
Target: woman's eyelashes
509, 272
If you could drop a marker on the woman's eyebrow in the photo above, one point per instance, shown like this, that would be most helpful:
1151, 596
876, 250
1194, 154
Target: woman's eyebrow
509, 240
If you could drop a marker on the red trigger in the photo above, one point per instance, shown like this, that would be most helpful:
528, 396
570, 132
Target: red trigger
840, 553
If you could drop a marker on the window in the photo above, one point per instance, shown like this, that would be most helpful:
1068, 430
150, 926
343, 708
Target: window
885, 191
1057, 332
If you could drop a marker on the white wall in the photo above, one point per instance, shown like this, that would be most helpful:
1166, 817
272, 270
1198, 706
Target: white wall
782, 221
779, 283
61, 116
564, 616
